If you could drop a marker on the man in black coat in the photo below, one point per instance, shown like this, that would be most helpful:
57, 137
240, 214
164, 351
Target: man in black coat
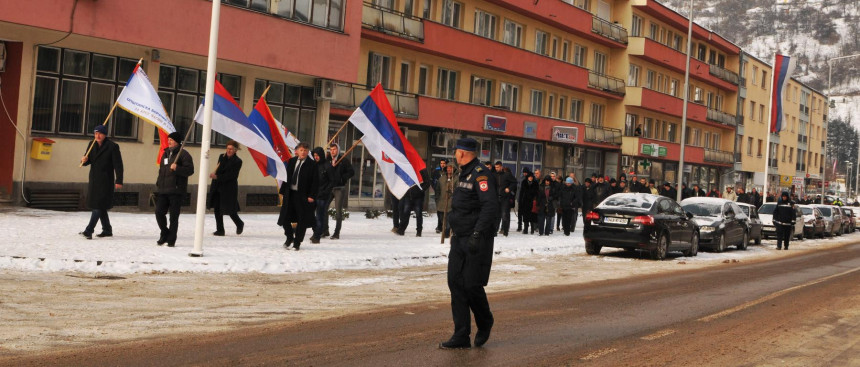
172, 185
300, 194
507, 187
474, 218
341, 171
784, 219
413, 201
568, 202
589, 197
669, 191
225, 189
105, 161
323, 199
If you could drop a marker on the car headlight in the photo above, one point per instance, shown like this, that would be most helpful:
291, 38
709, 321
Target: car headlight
707, 229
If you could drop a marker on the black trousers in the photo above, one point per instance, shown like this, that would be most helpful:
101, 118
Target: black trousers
566, 220
783, 235
505, 207
297, 235
467, 276
407, 207
395, 211
99, 215
168, 203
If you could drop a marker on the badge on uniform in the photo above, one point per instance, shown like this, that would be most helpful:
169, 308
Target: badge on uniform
483, 185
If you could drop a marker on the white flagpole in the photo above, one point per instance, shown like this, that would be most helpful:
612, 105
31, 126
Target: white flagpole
207, 131
769, 114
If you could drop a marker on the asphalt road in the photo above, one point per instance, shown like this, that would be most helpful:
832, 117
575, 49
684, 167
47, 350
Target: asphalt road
794, 311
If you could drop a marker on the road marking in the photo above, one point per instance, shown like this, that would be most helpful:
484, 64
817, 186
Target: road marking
598, 353
771, 296
658, 334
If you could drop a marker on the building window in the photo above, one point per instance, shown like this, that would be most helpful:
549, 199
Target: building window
671, 132
761, 113
423, 71
764, 79
759, 148
580, 55
654, 32
673, 87
379, 70
599, 62
428, 4
541, 40
513, 33
536, 102
565, 51
485, 24
509, 96
648, 131
405, 76
633, 76
701, 53
597, 114
576, 107
75, 90
446, 84
294, 106
482, 91
451, 11
323, 13
697, 95
749, 146
636, 26
630, 123
649, 79
562, 108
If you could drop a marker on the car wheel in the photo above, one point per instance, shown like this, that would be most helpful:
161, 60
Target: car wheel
592, 248
694, 246
721, 243
743, 244
659, 253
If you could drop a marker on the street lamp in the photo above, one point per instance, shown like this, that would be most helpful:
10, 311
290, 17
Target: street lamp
848, 166
829, 91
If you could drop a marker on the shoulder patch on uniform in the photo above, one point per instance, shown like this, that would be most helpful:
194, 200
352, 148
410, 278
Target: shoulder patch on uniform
484, 185
478, 169
481, 178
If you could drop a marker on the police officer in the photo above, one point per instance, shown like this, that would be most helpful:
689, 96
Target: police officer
474, 219
784, 219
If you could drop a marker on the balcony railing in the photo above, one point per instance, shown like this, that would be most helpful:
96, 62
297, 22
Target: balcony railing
739, 119
392, 22
719, 156
608, 30
722, 117
599, 134
725, 74
606, 83
350, 96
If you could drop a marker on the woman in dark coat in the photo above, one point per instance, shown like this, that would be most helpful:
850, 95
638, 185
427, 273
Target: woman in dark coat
527, 195
106, 173
225, 189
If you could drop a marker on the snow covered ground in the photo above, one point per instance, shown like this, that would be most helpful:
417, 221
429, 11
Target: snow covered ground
40, 240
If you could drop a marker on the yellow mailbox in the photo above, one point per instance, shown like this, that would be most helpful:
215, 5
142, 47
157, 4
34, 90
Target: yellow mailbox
41, 149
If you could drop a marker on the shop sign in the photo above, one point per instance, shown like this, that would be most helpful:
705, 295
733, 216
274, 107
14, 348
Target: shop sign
495, 123
648, 149
785, 181
813, 176
662, 151
564, 134
654, 150
798, 180
530, 129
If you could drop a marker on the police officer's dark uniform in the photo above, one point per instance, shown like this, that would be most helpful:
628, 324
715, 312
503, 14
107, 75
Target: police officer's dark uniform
784, 219
474, 219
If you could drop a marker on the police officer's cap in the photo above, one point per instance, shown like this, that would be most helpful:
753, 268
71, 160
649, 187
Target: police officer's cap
467, 144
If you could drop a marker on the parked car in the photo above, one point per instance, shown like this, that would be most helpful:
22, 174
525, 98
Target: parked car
641, 222
765, 212
753, 221
832, 219
813, 221
722, 222
856, 212
851, 223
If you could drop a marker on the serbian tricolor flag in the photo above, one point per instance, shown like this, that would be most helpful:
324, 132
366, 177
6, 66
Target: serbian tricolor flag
396, 158
229, 120
139, 98
262, 119
783, 67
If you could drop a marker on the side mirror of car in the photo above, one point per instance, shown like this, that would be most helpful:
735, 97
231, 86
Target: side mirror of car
689, 215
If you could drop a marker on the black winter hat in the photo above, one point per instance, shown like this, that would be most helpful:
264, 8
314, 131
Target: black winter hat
176, 136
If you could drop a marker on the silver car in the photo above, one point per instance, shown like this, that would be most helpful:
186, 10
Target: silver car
832, 219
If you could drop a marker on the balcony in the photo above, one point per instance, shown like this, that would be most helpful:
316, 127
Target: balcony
664, 103
350, 96
606, 83
609, 30
675, 60
725, 74
719, 156
722, 117
392, 22
599, 134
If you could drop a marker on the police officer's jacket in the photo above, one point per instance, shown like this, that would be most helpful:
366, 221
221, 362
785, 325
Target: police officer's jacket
475, 205
784, 213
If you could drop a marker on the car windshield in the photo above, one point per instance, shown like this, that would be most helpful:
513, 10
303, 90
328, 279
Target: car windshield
824, 211
766, 209
806, 211
628, 201
703, 209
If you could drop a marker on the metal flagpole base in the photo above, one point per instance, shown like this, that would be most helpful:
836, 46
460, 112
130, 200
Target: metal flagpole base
196, 254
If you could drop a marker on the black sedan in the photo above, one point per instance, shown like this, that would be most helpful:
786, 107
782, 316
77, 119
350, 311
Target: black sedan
722, 222
641, 222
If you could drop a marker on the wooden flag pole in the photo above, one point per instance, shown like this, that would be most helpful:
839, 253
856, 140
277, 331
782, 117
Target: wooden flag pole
107, 119
347, 152
450, 190
336, 134
182, 146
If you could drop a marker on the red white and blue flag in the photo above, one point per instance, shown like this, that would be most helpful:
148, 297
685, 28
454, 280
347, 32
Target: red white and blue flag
262, 119
139, 98
398, 161
783, 67
229, 120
